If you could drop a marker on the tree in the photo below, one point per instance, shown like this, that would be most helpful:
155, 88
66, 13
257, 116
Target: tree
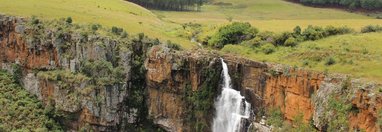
171, 4
297, 30
69, 20
290, 42
233, 33
351, 4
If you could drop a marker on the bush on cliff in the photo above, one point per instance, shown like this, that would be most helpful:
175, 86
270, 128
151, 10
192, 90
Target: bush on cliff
102, 72
338, 110
275, 117
17, 73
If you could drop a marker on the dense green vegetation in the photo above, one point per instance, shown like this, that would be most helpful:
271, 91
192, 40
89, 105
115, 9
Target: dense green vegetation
371, 28
137, 91
351, 4
244, 33
21, 111
334, 49
232, 34
170, 4
275, 118
338, 112
102, 73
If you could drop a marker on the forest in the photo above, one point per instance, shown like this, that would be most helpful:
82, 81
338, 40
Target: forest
350, 4
178, 5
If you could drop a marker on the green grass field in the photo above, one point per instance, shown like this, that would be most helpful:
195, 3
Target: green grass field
270, 15
356, 54
267, 15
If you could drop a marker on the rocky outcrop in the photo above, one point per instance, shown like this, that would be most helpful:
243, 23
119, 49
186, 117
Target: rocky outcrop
368, 103
292, 92
17, 50
54, 59
362, 97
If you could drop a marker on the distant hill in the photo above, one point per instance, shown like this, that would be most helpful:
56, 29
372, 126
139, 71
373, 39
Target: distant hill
178, 5
368, 5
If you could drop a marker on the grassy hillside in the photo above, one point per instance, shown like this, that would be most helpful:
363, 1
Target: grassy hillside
356, 54
261, 10
270, 15
131, 17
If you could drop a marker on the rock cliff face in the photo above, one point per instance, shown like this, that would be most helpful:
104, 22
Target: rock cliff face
115, 83
182, 88
85, 76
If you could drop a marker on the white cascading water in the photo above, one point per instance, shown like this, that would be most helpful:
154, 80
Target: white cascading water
230, 107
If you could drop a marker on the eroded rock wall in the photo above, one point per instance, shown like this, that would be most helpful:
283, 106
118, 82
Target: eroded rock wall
52, 62
174, 89
182, 88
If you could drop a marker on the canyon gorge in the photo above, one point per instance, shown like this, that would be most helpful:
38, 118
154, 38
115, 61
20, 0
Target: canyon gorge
107, 83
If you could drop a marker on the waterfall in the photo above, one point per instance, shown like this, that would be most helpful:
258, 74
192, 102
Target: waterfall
230, 107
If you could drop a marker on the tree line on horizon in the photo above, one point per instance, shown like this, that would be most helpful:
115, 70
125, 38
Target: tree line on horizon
179, 5
350, 4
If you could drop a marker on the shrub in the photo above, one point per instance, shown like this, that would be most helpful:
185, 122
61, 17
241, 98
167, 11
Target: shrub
95, 27
35, 20
371, 28
124, 34
330, 30
280, 39
17, 73
275, 117
300, 125
69, 20
255, 42
330, 61
102, 73
234, 33
313, 33
338, 111
268, 48
290, 42
297, 30
116, 30
379, 117
173, 45
305, 63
